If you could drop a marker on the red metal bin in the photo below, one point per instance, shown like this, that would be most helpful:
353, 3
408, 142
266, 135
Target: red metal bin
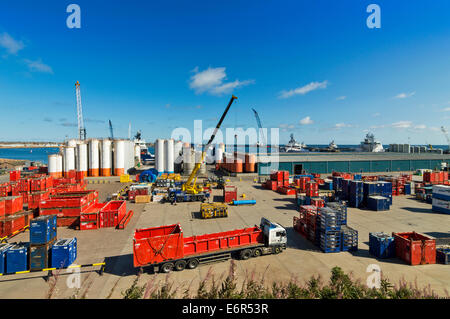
415, 248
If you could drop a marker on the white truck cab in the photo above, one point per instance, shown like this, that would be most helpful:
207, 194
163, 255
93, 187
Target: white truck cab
275, 234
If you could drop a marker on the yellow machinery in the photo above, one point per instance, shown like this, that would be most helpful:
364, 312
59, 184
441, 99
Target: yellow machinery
213, 210
190, 186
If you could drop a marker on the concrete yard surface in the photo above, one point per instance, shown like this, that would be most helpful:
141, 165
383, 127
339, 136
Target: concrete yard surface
299, 261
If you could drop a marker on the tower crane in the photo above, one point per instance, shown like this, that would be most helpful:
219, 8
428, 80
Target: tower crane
258, 121
81, 128
190, 191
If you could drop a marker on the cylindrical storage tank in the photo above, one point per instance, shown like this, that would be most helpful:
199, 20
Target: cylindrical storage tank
169, 156
177, 149
137, 152
198, 158
72, 142
52, 165
119, 157
82, 159
69, 161
106, 157
219, 153
250, 160
93, 158
59, 165
238, 165
159, 157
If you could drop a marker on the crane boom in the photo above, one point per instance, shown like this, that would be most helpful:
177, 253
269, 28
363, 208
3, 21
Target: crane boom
111, 130
258, 121
190, 185
81, 128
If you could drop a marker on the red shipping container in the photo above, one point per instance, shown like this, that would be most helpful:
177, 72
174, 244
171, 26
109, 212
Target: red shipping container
13, 204
285, 175
87, 225
14, 176
229, 193
13, 223
318, 202
24, 197
72, 222
2, 207
35, 198
415, 248
14, 189
112, 213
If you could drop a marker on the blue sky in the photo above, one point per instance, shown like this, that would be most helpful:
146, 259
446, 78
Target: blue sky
311, 68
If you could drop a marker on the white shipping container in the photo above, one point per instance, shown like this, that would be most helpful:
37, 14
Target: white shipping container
443, 190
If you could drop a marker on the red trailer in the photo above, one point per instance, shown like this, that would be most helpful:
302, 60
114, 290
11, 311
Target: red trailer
166, 248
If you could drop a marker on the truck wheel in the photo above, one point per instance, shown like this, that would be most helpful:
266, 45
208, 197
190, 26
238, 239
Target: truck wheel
257, 252
180, 265
277, 250
167, 267
192, 263
245, 254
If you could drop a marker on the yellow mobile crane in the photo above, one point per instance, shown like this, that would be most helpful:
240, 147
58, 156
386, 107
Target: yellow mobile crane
190, 191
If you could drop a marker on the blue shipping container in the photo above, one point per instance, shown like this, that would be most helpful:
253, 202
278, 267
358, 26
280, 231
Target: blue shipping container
407, 189
43, 229
377, 203
64, 252
3, 249
17, 258
381, 245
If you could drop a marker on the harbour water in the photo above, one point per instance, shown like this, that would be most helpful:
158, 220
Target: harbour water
41, 154
29, 154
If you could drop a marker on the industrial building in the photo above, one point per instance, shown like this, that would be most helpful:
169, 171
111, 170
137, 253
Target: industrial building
325, 163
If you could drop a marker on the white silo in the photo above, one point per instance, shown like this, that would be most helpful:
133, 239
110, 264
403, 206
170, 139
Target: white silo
129, 151
119, 157
59, 165
82, 159
52, 165
169, 156
188, 162
69, 161
72, 142
160, 154
198, 159
137, 152
106, 157
177, 150
219, 153
93, 157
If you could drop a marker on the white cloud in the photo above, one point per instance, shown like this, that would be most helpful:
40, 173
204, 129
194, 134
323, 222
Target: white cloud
420, 127
404, 95
306, 121
341, 125
38, 66
435, 129
211, 81
340, 98
376, 114
447, 109
304, 89
11, 45
402, 124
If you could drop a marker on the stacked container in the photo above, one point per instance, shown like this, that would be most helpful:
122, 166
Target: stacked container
42, 238
3, 249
